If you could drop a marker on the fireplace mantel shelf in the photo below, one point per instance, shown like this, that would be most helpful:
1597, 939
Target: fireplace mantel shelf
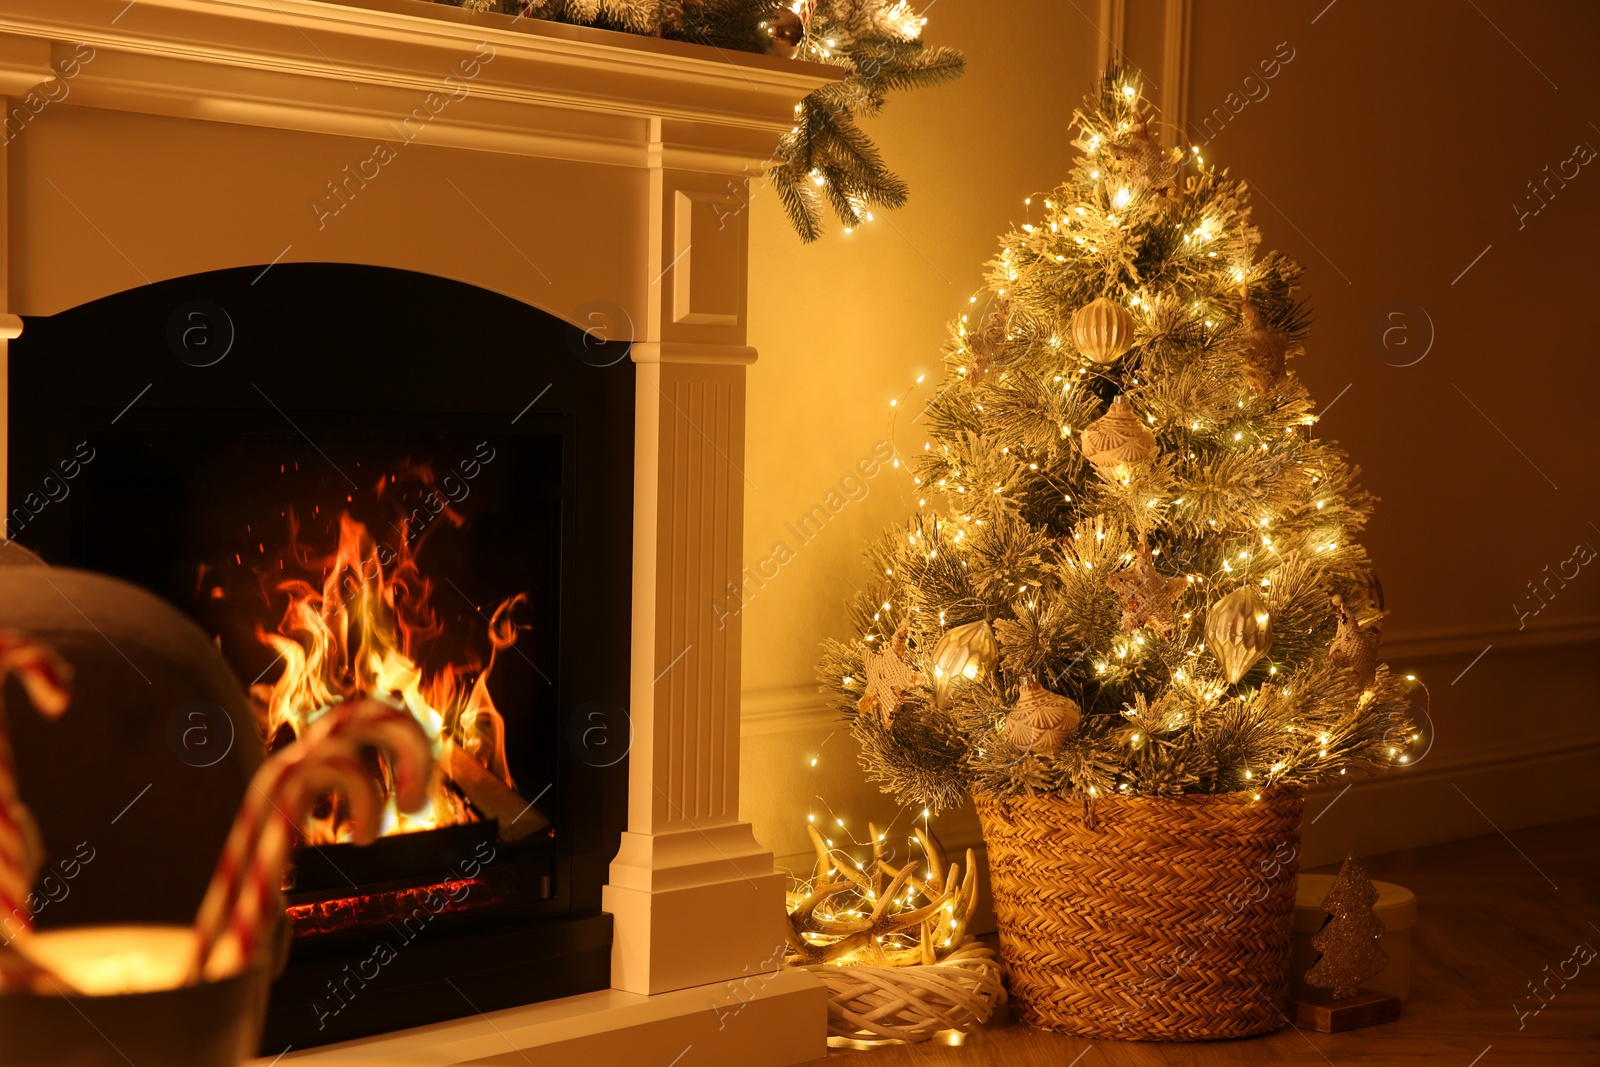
356, 67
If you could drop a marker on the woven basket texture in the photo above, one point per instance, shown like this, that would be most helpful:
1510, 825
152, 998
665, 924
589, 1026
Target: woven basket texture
1167, 919
911, 1004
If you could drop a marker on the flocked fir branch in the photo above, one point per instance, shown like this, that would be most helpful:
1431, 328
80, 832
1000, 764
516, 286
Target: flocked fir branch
1093, 543
826, 161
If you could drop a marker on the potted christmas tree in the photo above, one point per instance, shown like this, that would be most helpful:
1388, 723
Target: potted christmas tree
1131, 619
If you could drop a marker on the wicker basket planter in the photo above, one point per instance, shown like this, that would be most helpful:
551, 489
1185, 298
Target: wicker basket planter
911, 1004
1169, 919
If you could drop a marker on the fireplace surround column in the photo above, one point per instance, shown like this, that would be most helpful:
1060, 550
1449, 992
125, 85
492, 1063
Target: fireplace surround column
695, 897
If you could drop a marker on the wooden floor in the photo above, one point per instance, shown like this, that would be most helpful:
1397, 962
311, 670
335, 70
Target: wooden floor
1493, 913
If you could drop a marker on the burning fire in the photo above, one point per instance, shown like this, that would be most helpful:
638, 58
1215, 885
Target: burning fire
367, 631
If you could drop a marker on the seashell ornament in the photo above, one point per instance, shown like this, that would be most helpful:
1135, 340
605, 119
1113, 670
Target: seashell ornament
1040, 720
1117, 440
1103, 330
1239, 631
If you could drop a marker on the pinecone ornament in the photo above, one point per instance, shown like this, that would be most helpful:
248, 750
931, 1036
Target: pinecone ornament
987, 344
1355, 649
1040, 720
1264, 350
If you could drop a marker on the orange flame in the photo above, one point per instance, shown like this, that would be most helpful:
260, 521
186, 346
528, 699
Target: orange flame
366, 632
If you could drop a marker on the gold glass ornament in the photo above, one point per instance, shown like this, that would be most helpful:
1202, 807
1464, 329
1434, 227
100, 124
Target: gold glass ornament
1117, 440
788, 29
1239, 630
968, 651
1103, 330
1040, 720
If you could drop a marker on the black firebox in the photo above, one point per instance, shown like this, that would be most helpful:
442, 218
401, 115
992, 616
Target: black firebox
212, 438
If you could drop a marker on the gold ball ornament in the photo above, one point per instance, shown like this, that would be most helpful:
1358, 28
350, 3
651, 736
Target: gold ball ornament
788, 30
968, 651
1040, 720
1239, 631
1103, 330
1117, 440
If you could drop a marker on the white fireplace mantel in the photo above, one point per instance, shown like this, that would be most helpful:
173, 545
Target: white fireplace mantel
598, 176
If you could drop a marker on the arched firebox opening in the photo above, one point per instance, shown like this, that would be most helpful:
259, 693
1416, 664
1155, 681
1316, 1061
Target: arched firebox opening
361, 479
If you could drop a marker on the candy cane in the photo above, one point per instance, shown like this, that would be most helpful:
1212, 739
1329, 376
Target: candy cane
256, 899
44, 678
242, 902
377, 723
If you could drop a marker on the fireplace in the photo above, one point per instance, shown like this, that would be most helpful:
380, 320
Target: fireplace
353, 504
195, 150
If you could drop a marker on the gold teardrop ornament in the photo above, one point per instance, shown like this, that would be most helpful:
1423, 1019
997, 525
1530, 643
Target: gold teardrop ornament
1239, 631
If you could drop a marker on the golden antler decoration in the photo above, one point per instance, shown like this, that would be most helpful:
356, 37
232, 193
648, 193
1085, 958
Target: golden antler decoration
850, 914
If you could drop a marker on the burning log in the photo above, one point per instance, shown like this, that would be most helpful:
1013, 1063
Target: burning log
358, 624
491, 797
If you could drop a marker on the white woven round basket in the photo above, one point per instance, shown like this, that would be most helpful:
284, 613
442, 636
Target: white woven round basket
911, 1004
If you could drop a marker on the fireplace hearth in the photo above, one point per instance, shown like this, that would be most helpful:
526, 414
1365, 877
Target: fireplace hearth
352, 502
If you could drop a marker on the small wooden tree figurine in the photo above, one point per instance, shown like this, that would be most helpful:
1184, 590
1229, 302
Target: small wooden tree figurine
1348, 943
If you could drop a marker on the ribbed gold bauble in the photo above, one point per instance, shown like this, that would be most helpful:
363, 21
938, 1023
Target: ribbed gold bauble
1103, 330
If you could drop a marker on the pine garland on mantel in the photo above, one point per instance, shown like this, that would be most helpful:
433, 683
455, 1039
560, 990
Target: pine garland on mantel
827, 159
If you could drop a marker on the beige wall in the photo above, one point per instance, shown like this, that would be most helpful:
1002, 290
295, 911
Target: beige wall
847, 324
1386, 155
